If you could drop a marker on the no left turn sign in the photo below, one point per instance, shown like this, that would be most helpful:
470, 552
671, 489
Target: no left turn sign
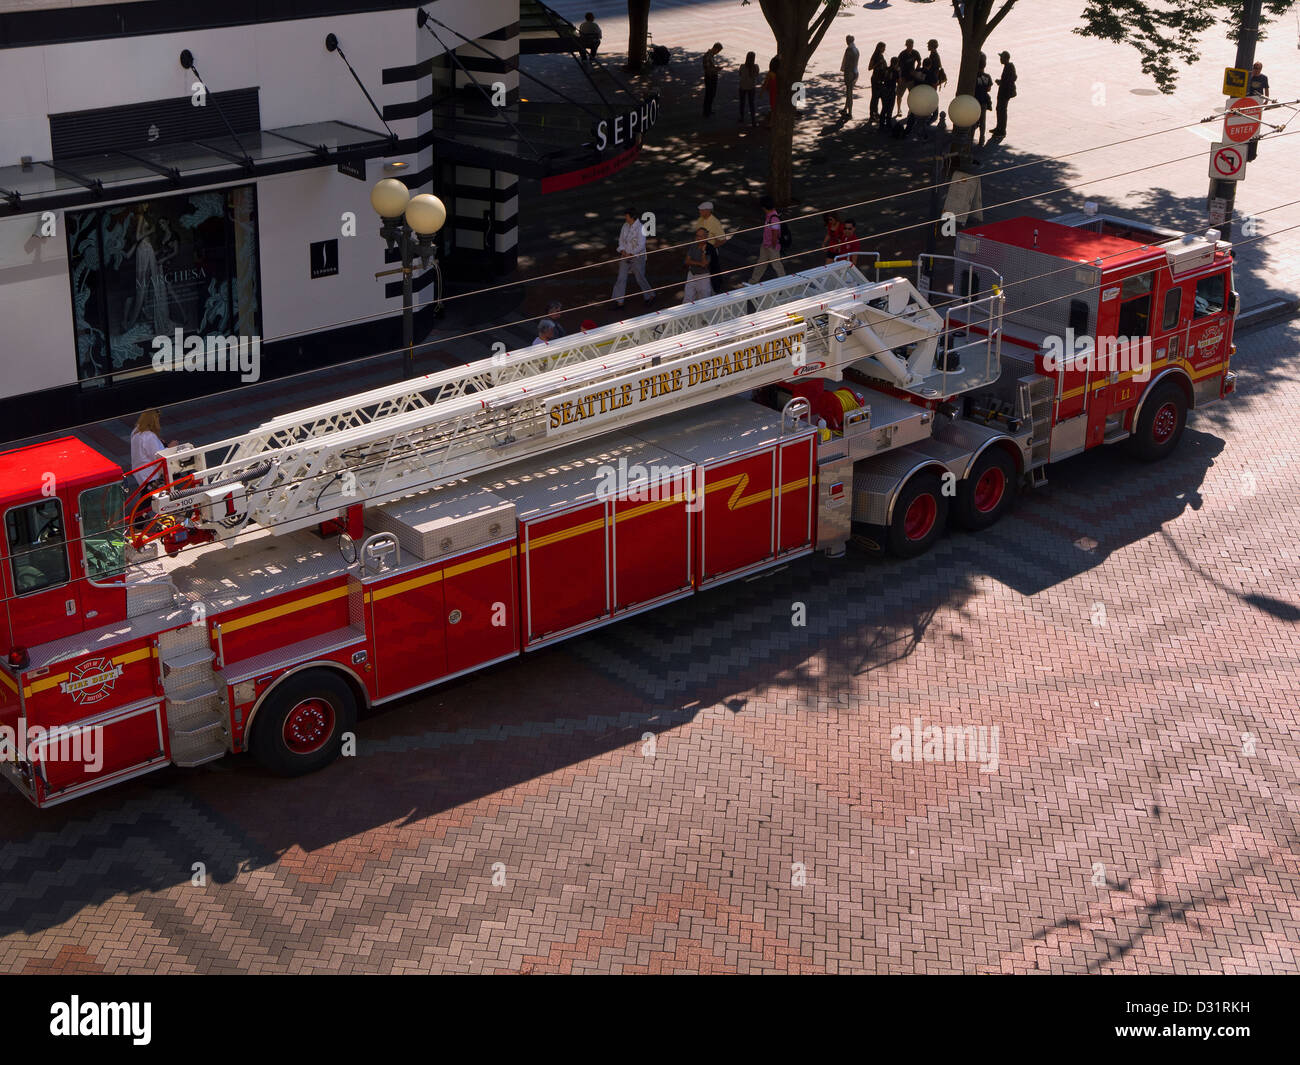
1228, 162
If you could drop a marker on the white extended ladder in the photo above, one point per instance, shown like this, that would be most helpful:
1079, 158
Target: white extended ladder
391, 442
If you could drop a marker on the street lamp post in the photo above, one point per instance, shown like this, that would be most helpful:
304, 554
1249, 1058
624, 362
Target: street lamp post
408, 224
922, 102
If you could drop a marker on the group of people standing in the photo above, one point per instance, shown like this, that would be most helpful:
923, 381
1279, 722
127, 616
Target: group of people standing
752, 82
892, 79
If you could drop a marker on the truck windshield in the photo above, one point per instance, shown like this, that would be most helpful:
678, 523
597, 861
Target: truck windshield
103, 530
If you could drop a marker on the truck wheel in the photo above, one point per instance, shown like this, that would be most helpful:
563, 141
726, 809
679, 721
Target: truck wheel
1160, 427
987, 492
919, 516
300, 727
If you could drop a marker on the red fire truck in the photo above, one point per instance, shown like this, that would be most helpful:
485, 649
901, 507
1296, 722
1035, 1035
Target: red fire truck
349, 554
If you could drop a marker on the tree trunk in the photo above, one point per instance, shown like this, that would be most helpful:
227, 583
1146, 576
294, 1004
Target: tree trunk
780, 181
798, 26
638, 25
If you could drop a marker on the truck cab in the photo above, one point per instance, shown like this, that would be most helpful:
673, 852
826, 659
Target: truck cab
1132, 324
63, 552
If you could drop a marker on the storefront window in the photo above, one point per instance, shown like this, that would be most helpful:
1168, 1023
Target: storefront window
145, 269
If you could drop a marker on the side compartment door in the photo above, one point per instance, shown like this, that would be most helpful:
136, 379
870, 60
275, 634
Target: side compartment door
480, 600
796, 481
407, 619
566, 572
736, 524
652, 544
90, 753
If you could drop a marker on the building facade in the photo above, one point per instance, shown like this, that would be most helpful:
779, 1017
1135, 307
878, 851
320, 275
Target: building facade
181, 168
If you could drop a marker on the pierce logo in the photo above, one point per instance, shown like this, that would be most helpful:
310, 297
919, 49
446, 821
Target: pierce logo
91, 681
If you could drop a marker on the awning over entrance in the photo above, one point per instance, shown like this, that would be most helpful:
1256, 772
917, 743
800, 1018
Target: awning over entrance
118, 174
543, 31
122, 173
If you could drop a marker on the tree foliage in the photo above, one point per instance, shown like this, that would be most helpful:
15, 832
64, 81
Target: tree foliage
1168, 33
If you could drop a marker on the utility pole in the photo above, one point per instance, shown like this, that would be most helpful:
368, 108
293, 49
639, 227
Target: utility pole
1248, 33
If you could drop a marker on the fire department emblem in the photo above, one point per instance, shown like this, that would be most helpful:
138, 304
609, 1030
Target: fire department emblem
91, 681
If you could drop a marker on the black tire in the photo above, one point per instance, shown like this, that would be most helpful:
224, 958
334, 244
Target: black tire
920, 512
1160, 427
987, 492
323, 709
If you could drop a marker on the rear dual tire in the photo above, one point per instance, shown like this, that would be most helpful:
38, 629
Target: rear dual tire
987, 492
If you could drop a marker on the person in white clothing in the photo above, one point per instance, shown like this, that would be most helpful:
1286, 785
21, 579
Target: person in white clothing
146, 443
631, 245
545, 332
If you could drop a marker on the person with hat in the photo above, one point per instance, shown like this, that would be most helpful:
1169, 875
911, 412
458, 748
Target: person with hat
1006, 90
709, 222
631, 248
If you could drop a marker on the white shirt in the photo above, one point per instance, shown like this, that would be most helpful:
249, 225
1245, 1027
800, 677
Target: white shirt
631, 239
144, 448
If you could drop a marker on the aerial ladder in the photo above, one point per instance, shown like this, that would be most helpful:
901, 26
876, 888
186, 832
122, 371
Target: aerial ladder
324, 462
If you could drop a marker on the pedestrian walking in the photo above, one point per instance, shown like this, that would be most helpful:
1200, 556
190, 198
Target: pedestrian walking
849, 69
711, 224
699, 268
983, 91
936, 64
545, 332
909, 59
769, 83
877, 70
711, 69
770, 249
749, 76
146, 444
589, 35
631, 248
1006, 91
1257, 86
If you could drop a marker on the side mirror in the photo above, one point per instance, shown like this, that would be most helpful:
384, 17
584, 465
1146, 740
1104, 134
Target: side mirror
1232, 302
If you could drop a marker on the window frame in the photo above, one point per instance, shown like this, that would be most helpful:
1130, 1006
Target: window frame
117, 579
1222, 279
13, 555
1165, 326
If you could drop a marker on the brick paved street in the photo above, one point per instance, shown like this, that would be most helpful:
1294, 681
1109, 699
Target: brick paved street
709, 788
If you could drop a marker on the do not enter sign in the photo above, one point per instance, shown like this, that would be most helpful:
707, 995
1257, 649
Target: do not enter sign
1228, 162
1242, 120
